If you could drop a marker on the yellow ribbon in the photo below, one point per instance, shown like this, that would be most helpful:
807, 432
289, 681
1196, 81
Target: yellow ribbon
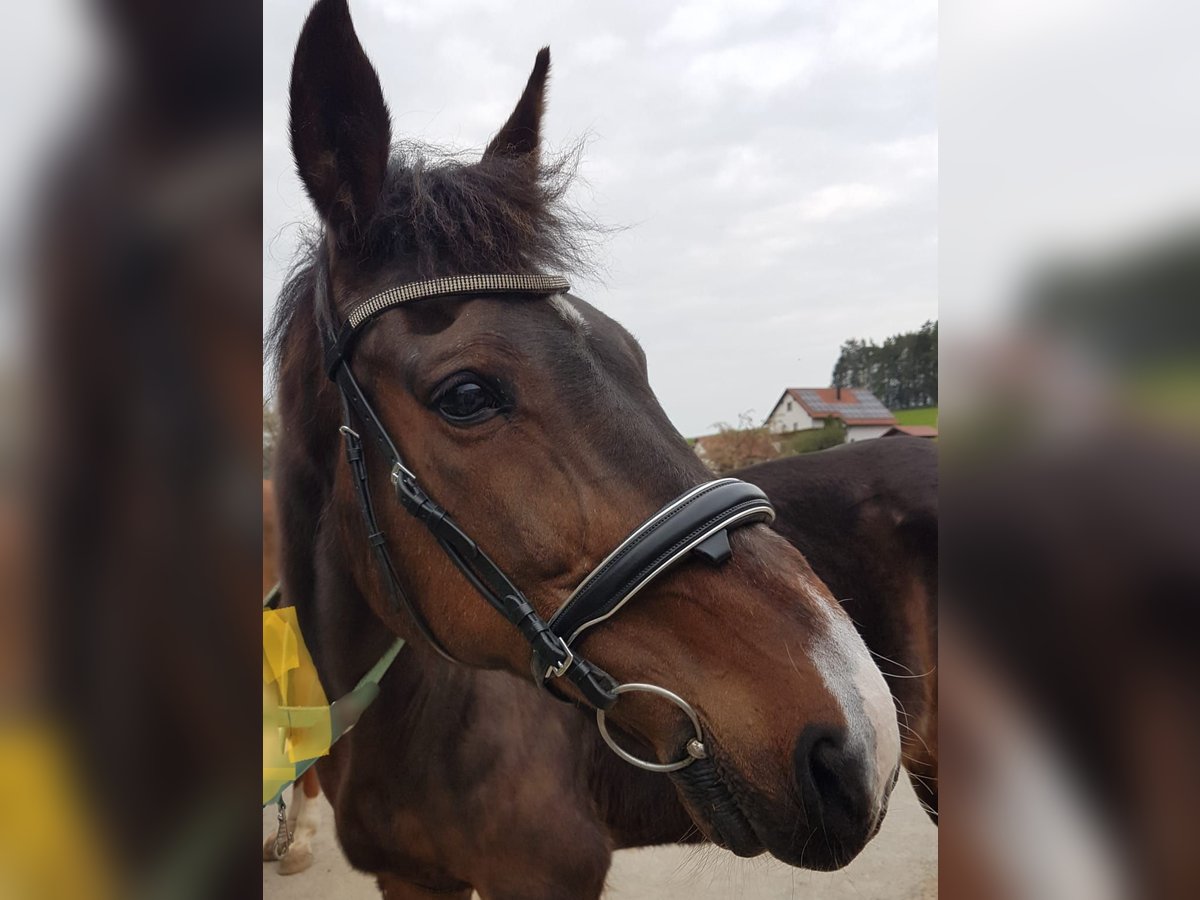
296, 720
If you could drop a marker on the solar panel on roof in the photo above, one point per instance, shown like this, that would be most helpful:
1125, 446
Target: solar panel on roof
856, 403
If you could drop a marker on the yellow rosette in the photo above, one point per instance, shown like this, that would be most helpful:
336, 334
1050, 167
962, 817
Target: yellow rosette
296, 719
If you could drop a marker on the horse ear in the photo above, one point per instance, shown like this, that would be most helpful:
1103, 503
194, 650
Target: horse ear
521, 134
340, 127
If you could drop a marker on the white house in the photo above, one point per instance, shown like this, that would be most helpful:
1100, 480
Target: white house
864, 432
800, 409
789, 415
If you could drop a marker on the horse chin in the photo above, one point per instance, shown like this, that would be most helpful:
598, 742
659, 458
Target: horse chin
725, 812
715, 810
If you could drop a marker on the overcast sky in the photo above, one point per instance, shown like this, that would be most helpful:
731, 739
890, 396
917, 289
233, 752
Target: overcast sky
774, 165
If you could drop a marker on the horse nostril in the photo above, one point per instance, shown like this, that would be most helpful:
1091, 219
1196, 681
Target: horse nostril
834, 780
824, 764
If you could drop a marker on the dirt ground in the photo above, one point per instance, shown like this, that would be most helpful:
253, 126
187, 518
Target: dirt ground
900, 864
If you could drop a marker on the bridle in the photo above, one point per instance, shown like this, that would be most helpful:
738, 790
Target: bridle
697, 522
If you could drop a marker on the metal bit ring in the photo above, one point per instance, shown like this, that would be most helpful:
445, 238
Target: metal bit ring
695, 747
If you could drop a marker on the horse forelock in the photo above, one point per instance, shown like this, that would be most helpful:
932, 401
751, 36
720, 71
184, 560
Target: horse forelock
441, 214
444, 215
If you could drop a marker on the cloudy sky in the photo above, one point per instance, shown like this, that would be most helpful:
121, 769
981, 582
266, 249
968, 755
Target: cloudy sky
773, 165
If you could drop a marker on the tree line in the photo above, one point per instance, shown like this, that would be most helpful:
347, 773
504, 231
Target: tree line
902, 371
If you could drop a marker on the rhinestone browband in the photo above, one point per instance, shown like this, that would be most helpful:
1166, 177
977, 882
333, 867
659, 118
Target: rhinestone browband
456, 284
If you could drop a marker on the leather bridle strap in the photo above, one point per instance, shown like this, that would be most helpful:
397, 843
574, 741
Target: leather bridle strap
454, 285
478, 568
375, 536
696, 522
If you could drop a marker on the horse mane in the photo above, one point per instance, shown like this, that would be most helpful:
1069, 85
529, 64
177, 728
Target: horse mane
444, 215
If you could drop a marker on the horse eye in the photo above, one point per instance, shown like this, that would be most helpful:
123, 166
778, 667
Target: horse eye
467, 403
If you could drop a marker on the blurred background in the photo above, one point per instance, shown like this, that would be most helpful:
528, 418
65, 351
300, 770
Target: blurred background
130, 399
130, 203
1070, 471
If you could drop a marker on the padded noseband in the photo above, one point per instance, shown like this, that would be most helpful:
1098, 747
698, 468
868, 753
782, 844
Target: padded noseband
697, 522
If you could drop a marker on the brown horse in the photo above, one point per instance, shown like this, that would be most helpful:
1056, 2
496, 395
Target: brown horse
564, 453
866, 517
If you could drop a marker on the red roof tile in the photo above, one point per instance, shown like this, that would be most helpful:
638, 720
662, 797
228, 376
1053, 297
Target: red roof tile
922, 431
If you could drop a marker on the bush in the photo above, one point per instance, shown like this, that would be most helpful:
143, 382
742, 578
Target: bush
733, 447
831, 435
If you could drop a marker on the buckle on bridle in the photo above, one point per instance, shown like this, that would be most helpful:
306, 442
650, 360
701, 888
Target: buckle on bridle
399, 473
561, 669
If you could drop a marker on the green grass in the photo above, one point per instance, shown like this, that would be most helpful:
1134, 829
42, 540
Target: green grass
926, 415
1169, 392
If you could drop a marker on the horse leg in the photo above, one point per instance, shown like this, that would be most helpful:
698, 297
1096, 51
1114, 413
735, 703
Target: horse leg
300, 855
269, 854
301, 824
395, 888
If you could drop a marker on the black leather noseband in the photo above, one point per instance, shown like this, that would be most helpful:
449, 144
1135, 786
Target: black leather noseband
696, 523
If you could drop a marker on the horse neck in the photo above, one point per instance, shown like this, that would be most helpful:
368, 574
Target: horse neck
343, 635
